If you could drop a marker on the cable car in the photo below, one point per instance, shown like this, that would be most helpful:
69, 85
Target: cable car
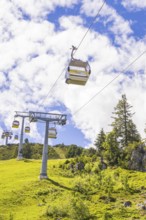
2, 136
27, 129
52, 133
78, 71
16, 137
15, 124
7, 134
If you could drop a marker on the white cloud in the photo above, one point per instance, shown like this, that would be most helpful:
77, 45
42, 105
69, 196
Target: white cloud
2, 79
34, 54
108, 15
39, 9
134, 4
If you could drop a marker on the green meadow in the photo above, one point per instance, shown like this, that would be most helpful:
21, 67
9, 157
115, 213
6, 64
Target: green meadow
67, 195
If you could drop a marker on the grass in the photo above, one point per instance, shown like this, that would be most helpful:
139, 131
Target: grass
66, 196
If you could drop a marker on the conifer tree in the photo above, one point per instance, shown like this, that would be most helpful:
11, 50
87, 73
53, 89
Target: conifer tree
100, 140
123, 125
111, 149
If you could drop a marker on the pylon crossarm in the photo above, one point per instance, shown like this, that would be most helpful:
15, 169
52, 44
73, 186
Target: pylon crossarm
50, 117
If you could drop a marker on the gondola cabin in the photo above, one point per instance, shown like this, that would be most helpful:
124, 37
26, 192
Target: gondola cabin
27, 129
7, 134
15, 124
2, 136
16, 137
78, 72
52, 133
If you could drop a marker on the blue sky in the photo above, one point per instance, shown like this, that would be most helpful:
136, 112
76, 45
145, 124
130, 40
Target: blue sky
35, 41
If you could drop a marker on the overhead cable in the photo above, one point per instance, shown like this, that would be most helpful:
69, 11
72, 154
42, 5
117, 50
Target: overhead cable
109, 83
76, 50
91, 24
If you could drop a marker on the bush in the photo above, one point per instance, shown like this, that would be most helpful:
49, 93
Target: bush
56, 212
96, 167
85, 185
79, 211
88, 167
75, 209
107, 216
125, 183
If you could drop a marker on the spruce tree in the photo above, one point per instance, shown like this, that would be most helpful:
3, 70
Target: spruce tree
100, 140
123, 125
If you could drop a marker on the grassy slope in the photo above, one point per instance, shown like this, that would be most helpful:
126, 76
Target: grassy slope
24, 197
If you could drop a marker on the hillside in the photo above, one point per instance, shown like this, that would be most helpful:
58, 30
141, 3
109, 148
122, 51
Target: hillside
66, 195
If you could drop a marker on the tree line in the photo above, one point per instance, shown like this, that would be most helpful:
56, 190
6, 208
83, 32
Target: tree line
116, 146
34, 151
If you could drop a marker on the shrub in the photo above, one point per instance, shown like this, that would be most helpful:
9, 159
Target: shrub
88, 167
79, 211
56, 212
107, 216
125, 183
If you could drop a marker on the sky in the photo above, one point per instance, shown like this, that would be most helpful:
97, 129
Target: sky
36, 37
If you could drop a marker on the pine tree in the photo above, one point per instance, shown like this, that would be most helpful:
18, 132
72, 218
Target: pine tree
100, 140
123, 125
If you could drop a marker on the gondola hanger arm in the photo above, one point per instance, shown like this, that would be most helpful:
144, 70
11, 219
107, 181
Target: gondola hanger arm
72, 53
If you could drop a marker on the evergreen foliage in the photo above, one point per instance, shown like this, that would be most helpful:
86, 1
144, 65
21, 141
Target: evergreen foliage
115, 146
74, 151
123, 125
99, 141
111, 149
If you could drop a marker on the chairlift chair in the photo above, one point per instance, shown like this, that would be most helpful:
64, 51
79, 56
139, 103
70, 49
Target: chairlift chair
52, 133
78, 71
27, 129
15, 124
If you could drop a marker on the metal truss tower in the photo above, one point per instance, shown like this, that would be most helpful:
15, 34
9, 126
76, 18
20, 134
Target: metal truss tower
22, 115
47, 118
